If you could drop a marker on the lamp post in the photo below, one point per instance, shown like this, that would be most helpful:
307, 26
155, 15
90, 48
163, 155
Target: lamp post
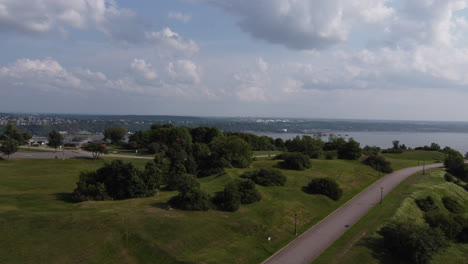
295, 224
381, 195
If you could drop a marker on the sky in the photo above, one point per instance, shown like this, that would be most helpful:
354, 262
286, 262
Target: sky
356, 59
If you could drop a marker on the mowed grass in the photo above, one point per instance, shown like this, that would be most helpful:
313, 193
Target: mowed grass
355, 246
39, 225
35, 150
413, 158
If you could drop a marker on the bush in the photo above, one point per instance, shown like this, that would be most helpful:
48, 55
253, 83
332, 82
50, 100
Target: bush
266, 177
182, 183
450, 178
392, 151
325, 186
296, 161
463, 235
235, 193
446, 223
378, 163
331, 154
411, 242
350, 151
193, 200
452, 205
426, 204
117, 180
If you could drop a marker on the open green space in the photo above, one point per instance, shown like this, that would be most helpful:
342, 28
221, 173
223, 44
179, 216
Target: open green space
355, 246
413, 158
39, 225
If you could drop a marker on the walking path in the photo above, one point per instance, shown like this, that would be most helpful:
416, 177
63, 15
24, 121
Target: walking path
314, 241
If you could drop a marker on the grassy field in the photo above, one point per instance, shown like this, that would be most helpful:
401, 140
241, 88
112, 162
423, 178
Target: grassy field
355, 246
414, 158
39, 225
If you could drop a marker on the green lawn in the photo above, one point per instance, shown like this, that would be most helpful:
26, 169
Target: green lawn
414, 158
355, 246
39, 225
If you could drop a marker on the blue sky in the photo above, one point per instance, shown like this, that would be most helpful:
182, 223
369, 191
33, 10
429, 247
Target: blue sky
364, 59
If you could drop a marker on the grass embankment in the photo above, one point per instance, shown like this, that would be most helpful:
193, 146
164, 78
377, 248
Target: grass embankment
356, 245
414, 158
38, 225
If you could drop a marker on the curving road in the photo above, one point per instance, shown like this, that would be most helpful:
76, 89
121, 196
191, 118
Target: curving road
314, 241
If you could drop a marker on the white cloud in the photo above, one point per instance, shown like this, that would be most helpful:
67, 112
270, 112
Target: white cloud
182, 17
172, 40
184, 71
304, 24
144, 69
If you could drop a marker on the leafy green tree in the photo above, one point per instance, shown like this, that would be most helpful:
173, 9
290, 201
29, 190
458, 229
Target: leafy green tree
96, 149
378, 163
350, 151
233, 149
11, 131
9, 146
229, 199
114, 134
55, 139
325, 186
193, 200
117, 180
455, 163
248, 192
296, 161
412, 242
182, 183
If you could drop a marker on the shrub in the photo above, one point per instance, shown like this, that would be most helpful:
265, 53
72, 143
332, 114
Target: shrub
452, 205
426, 204
450, 178
446, 223
248, 193
266, 177
378, 163
117, 180
463, 235
331, 154
350, 151
371, 150
296, 161
193, 200
325, 186
412, 242
236, 193
182, 182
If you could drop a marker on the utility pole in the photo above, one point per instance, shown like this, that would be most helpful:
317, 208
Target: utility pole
295, 224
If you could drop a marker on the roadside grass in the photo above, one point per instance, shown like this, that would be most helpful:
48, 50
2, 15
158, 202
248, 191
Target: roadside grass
113, 149
357, 244
414, 158
39, 225
35, 150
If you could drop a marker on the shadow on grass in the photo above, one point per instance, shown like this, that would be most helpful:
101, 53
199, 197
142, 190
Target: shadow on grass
65, 197
161, 205
376, 244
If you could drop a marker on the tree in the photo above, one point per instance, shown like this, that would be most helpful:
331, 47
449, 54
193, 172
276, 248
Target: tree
378, 163
455, 163
412, 242
235, 193
296, 161
96, 149
117, 180
193, 200
9, 146
55, 139
325, 186
232, 149
14, 133
350, 151
115, 134
396, 144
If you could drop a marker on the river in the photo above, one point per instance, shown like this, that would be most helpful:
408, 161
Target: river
458, 141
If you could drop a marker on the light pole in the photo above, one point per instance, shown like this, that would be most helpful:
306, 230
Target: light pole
295, 224
381, 195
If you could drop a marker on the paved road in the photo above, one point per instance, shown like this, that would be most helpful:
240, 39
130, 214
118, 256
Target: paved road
68, 154
314, 241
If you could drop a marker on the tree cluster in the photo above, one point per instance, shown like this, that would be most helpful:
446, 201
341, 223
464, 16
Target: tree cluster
455, 164
116, 181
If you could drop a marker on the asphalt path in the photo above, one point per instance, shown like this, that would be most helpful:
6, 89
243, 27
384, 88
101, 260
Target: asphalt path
67, 154
314, 241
